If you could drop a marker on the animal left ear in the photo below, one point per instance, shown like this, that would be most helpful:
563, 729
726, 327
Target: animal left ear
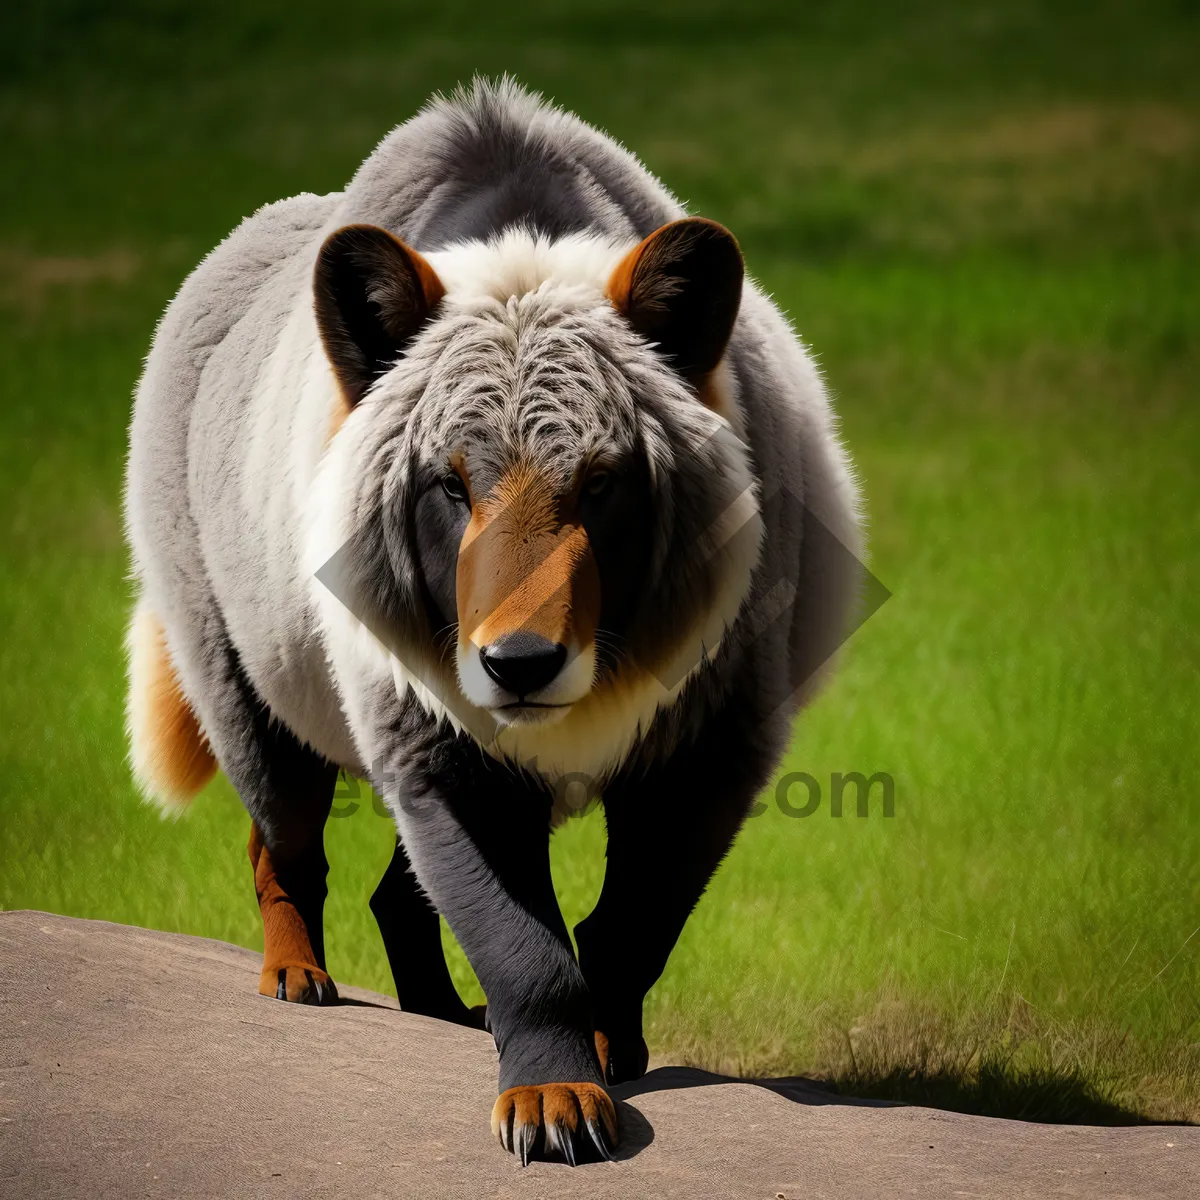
681, 288
371, 293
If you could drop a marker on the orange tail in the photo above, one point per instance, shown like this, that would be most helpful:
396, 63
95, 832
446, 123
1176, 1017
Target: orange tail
169, 753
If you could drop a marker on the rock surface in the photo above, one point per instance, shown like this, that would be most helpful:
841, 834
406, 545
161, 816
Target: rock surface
135, 1063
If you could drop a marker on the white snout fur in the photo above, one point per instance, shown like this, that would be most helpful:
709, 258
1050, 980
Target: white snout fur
568, 687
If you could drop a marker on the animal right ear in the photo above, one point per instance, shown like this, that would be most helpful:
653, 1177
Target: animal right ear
371, 293
680, 288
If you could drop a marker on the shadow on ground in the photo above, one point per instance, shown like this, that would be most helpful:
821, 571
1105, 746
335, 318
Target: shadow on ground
1035, 1094
1057, 1099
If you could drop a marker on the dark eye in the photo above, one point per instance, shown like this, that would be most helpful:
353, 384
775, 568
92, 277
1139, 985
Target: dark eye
454, 487
597, 484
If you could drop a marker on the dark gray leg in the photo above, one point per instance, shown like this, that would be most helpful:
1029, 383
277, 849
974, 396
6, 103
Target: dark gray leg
478, 835
667, 832
412, 937
287, 788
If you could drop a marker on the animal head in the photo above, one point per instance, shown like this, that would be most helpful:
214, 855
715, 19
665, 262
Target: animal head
548, 512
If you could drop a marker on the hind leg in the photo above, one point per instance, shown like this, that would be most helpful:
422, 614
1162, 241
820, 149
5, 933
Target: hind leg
287, 788
291, 898
290, 802
412, 937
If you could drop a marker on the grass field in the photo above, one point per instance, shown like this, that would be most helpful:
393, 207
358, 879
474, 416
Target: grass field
986, 220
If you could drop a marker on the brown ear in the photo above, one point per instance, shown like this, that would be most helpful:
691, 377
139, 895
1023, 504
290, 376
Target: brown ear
681, 288
371, 293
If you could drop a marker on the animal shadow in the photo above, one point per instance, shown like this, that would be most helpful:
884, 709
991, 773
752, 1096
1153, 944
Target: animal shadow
1043, 1096
637, 1133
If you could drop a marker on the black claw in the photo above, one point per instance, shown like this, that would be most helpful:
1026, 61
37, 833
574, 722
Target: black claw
527, 1139
507, 1130
281, 990
559, 1138
566, 1143
600, 1138
310, 993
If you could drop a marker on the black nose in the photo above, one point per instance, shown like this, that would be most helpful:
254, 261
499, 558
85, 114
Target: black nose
523, 662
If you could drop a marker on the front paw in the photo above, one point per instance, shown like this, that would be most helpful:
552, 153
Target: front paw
576, 1120
622, 1059
298, 984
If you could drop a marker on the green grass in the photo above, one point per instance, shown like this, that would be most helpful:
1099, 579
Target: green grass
986, 220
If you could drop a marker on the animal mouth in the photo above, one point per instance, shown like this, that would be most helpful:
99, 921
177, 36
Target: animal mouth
529, 712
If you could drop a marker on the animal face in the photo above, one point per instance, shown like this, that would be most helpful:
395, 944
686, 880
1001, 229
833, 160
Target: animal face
544, 460
531, 518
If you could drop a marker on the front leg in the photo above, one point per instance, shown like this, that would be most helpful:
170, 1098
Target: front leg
477, 834
668, 830
412, 937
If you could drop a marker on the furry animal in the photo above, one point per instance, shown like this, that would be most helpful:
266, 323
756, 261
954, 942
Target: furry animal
492, 480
